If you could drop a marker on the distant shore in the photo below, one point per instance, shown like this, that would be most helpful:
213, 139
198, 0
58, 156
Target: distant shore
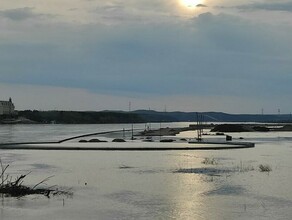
139, 116
220, 129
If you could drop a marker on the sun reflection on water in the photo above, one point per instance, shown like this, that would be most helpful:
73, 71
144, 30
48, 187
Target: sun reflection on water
190, 188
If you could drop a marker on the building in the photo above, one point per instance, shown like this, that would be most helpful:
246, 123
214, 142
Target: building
7, 107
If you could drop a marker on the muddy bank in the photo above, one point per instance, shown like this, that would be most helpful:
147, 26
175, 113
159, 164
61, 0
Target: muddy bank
220, 128
174, 131
251, 127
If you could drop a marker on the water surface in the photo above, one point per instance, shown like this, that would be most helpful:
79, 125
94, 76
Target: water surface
151, 185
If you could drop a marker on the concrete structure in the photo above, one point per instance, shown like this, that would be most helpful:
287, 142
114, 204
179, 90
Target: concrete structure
7, 107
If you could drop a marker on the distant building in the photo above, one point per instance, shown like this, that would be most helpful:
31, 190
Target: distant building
7, 107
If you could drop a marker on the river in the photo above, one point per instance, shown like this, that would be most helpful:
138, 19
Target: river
225, 184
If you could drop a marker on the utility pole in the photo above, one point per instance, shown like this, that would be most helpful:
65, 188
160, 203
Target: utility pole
130, 106
199, 127
132, 127
132, 138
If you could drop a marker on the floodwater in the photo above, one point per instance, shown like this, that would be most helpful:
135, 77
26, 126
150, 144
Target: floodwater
150, 185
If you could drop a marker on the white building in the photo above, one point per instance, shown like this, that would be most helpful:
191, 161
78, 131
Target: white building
6, 107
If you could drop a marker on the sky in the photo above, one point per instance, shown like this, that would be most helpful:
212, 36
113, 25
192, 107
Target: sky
175, 55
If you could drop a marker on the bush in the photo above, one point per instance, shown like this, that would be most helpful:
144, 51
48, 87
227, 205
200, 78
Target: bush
14, 187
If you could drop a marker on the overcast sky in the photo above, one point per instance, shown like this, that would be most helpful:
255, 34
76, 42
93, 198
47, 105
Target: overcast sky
208, 55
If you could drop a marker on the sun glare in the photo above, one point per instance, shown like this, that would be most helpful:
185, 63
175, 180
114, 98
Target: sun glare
190, 3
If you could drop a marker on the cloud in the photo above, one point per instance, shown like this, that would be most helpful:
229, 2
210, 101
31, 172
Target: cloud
212, 52
19, 14
201, 6
143, 11
208, 56
232, 33
275, 6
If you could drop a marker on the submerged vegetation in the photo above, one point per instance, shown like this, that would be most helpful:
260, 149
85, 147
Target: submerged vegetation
218, 170
242, 167
13, 187
210, 161
265, 168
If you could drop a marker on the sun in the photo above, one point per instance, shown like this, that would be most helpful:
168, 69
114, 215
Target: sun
190, 3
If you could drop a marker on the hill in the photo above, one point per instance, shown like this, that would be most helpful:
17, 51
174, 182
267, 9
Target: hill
154, 116
143, 116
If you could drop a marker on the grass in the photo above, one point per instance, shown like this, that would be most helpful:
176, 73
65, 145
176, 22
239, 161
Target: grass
13, 187
244, 168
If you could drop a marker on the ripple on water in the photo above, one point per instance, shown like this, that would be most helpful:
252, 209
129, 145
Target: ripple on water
226, 190
203, 170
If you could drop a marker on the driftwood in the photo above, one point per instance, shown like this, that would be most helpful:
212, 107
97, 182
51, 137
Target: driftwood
13, 187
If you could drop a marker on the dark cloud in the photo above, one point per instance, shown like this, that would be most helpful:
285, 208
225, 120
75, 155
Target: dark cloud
201, 6
210, 55
277, 6
231, 33
20, 14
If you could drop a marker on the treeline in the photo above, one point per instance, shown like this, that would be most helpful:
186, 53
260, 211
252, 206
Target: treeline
143, 116
75, 117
